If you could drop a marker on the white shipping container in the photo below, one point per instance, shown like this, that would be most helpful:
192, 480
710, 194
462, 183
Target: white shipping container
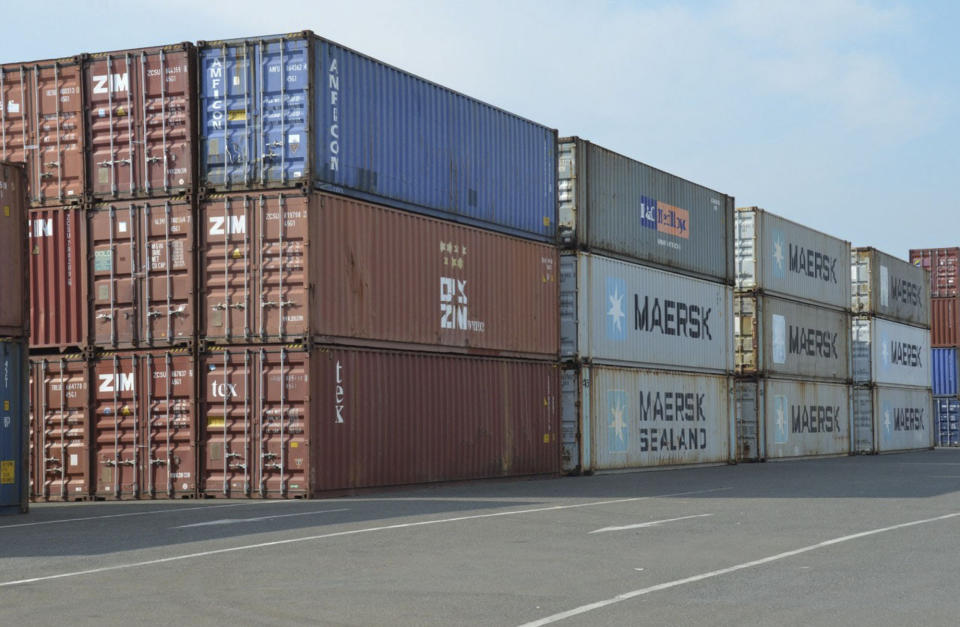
890, 353
888, 287
620, 313
888, 418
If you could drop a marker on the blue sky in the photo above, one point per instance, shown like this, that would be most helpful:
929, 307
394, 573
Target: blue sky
840, 114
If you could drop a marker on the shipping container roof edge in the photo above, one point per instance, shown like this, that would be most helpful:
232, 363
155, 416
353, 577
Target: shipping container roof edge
808, 227
866, 249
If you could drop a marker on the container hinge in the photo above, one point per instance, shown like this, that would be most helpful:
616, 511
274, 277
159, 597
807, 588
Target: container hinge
154, 159
153, 314
269, 155
272, 466
175, 311
223, 306
113, 462
237, 467
51, 459
114, 162
268, 455
53, 164
55, 471
158, 462
281, 304
104, 317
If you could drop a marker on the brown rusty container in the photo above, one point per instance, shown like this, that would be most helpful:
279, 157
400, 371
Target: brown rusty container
945, 322
42, 125
60, 428
14, 281
141, 273
58, 278
288, 421
144, 425
280, 267
944, 267
140, 121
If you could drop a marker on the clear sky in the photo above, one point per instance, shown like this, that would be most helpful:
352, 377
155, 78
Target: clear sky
840, 114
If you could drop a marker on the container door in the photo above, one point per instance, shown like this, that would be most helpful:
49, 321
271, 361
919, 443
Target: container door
863, 420
227, 269
283, 70
167, 276
570, 427
281, 278
282, 384
169, 463
748, 404
228, 423
14, 466
58, 295
114, 244
117, 429
114, 119
167, 122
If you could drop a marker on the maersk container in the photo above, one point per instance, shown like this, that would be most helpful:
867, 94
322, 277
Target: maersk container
890, 353
14, 438
618, 313
900, 418
299, 110
614, 418
615, 206
944, 371
947, 430
14, 266
780, 337
944, 267
779, 418
784, 258
889, 288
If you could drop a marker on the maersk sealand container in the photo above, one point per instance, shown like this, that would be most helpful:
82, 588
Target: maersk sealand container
298, 110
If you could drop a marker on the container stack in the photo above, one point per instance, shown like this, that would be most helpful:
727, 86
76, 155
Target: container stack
892, 400
942, 263
646, 273
792, 334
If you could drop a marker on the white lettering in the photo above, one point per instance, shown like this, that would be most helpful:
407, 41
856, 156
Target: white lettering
340, 395
227, 225
116, 382
117, 82
42, 227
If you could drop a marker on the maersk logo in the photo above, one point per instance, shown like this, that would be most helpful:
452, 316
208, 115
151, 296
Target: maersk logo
779, 259
617, 432
781, 430
616, 316
902, 419
902, 354
887, 419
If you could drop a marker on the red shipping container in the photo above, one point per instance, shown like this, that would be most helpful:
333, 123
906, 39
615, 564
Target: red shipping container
287, 422
944, 267
14, 282
282, 267
58, 278
41, 125
945, 322
140, 120
60, 428
141, 273
144, 425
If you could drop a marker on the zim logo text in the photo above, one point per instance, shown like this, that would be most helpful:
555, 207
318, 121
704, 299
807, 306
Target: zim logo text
116, 383
227, 225
102, 83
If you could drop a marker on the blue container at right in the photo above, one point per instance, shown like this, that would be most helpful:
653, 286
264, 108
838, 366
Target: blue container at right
299, 110
947, 411
944, 362
13, 427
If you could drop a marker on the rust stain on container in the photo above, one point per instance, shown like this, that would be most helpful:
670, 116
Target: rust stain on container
58, 278
277, 267
945, 322
14, 283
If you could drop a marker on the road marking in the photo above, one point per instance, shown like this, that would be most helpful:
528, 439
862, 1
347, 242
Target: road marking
234, 521
143, 513
583, 609
945, 476
649, 524
338, 534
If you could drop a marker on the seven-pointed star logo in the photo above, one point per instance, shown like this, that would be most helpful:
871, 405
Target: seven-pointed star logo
778, 251
885, 350
886, 420
616, 310
618, 424
781, 420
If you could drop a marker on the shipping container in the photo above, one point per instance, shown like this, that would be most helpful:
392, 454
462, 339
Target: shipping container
944, 371
948, 421
944, 267
780, 337
298, 110
42, 126
14, 427
58, 278
890, 353
285, 421
619, 313
945, 322
144, 425
142, 273
140, 121
628, 418
14, 264
60, 462
281, 267
901, 418
779, 418
613, 205
787, 259
889, 288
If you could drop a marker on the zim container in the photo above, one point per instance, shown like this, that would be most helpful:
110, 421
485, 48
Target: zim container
944, 267
58, 278
14, 428
889, 288
297, 110
615, 206
890, 353
890, 418
14, 264
944, 371
945, 322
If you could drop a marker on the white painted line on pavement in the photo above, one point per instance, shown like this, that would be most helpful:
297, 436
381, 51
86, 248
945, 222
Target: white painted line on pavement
353, 532
583, 609
234, 521
141, 513
649, 524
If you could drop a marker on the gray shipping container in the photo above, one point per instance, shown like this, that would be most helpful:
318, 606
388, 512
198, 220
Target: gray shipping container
775, 336
629, 418
889, 287
616, 206
890, 353
890, 418
779, 418
620, 313
787, 259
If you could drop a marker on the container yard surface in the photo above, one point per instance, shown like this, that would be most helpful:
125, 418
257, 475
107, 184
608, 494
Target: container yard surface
849, 540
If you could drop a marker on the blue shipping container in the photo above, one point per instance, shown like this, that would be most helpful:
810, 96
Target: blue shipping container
944, 371
292, 110
13, 427
948, 421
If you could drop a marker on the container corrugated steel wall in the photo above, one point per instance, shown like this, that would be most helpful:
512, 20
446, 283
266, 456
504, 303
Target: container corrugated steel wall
775, 336
351, 272
945, 322
787, 259
14, 265
888, 287
42, 126
621, 313
14, 425
140, 121
58, 278
944, 371
944, 267
904, 418
289, 110
890, 353
863, 427
614, 205
948, 421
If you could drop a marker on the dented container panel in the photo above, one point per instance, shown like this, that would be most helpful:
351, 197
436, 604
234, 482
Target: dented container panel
890, 353
58, 278
804, 418
944, 267
14, 427
889, 288
14, 264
